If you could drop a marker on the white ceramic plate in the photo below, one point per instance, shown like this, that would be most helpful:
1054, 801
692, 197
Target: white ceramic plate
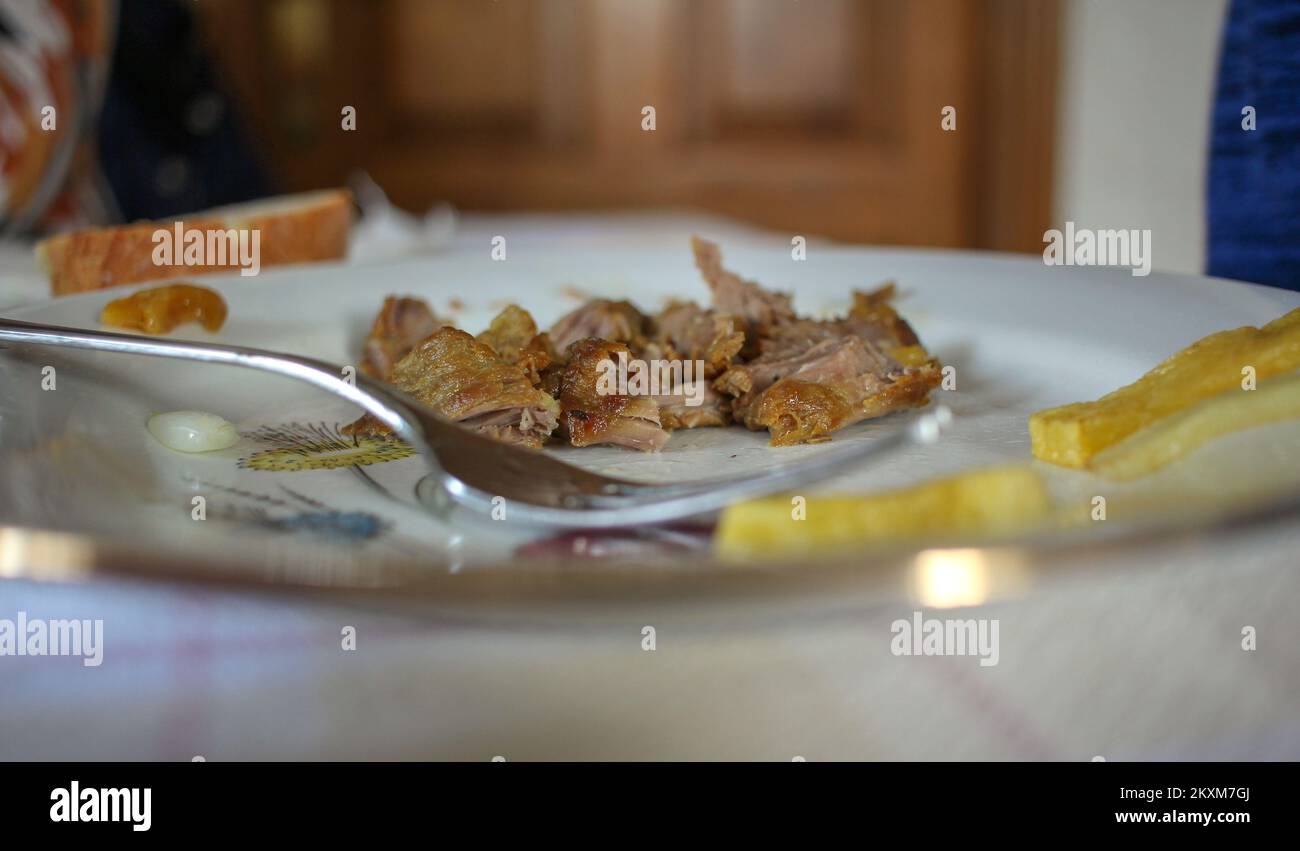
1021, 336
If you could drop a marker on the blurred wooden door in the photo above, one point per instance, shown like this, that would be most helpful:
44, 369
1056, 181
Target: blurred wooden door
817, 117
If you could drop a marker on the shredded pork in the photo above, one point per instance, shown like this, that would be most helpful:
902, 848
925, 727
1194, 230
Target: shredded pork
754, 361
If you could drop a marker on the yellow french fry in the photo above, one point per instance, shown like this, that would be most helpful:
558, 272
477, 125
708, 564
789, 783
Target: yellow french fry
996, 500
1071, 435
1171, 438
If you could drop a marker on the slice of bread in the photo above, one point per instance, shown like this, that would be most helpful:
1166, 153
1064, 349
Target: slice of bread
311, 226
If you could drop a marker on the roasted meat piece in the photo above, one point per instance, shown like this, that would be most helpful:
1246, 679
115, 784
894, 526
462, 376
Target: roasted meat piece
466, 381
760, 309
873, 310
616, 321
772, 324
402, 322
749, 358
692, 346
873, 318
679, 408
833, 359
513, 336
806, 378
592, 412
802, 395
686, 331
797, 411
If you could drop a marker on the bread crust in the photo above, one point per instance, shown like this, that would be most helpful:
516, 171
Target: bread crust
315, 230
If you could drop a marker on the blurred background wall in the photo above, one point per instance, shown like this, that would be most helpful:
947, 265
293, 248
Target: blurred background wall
1137, 79
817, 117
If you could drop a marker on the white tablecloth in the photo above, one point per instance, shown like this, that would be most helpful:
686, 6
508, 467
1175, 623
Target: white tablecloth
1142, 660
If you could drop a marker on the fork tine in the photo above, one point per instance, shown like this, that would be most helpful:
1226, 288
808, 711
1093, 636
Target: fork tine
650, 504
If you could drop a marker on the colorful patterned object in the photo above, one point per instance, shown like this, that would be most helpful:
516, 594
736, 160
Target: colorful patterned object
317, 446
53, 68
298, 512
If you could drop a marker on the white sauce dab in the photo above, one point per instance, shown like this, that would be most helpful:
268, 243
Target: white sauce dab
193, 431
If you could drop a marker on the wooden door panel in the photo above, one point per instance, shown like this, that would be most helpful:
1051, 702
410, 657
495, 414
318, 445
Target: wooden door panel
459, 64
813, 117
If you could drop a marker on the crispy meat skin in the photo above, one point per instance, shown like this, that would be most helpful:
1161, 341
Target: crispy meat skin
686, 331
796, 411
616, 321
763, 366
807, 377
400, 324
513, 336
836, 382
551, 377
836, 359
589, 417
874, 318
464, 380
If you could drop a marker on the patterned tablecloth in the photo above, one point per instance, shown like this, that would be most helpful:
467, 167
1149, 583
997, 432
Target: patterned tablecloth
1190, 652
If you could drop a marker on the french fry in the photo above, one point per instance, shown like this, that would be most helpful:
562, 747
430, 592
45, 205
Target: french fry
986, 501
1071, 435
1173, 437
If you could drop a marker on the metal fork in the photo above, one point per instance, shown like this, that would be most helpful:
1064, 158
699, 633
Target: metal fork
470, 470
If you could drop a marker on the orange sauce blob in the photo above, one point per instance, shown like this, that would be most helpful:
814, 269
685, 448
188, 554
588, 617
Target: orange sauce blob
161, 309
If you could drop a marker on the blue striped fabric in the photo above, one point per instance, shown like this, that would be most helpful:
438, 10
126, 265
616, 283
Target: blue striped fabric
1254, 180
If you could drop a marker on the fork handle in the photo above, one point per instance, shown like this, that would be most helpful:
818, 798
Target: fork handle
367, 393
